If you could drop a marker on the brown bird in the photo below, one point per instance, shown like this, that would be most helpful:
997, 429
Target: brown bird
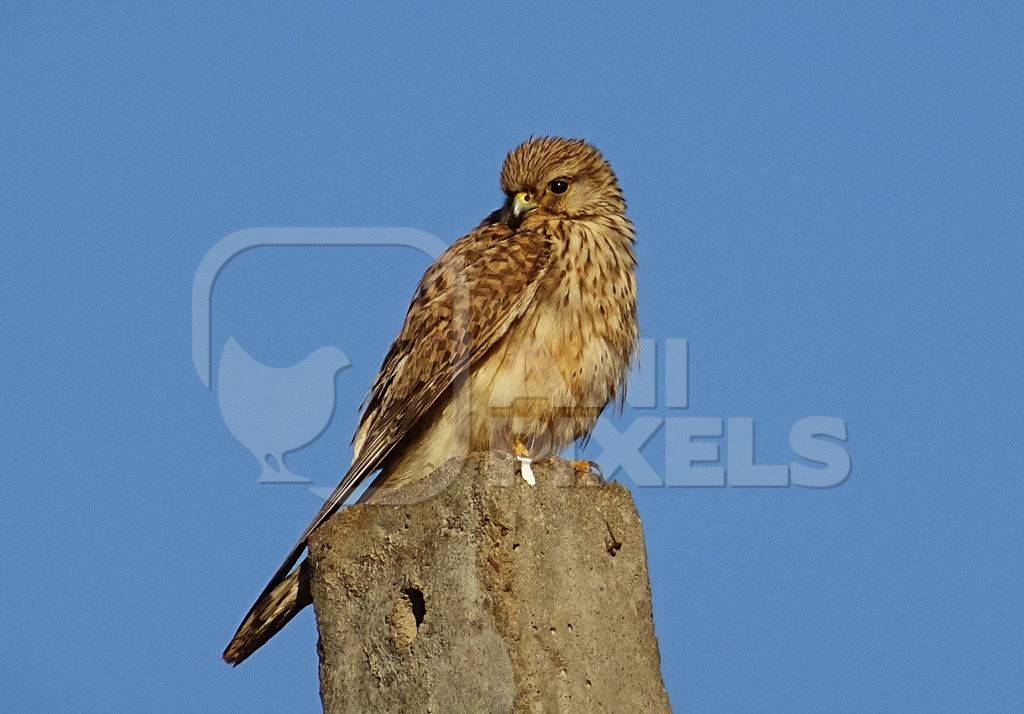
517, 338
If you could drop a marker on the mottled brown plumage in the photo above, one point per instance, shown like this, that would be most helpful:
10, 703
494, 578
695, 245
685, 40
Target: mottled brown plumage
519, 334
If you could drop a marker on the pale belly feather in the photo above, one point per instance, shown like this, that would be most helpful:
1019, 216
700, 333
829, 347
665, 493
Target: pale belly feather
545, 384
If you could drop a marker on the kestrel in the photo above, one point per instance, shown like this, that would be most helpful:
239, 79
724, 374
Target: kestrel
518, 336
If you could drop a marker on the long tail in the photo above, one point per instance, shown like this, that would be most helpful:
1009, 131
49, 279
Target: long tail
270, 613
288, 590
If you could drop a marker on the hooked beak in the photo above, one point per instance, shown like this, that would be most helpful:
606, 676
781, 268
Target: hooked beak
522, 204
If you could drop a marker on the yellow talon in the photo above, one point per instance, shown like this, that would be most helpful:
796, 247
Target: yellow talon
582, 467
519, 448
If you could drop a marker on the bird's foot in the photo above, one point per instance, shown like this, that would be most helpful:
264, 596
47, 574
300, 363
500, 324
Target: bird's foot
584, 468
525, 462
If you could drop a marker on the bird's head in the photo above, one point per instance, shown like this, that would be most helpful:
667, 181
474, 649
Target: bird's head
551, 177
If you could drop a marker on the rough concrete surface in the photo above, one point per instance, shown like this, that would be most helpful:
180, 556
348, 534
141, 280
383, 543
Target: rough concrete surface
480, 593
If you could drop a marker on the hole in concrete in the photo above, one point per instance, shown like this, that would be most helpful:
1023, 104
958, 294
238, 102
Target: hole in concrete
416, 601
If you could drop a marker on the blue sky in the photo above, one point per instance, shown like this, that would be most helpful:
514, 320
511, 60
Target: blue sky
828, 206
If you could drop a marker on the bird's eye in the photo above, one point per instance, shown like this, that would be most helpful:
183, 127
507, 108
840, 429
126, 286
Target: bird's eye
558, 186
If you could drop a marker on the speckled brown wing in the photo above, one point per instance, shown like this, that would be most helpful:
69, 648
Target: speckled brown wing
467, 301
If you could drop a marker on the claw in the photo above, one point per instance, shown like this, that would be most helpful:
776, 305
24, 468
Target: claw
519, 448
583, 467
